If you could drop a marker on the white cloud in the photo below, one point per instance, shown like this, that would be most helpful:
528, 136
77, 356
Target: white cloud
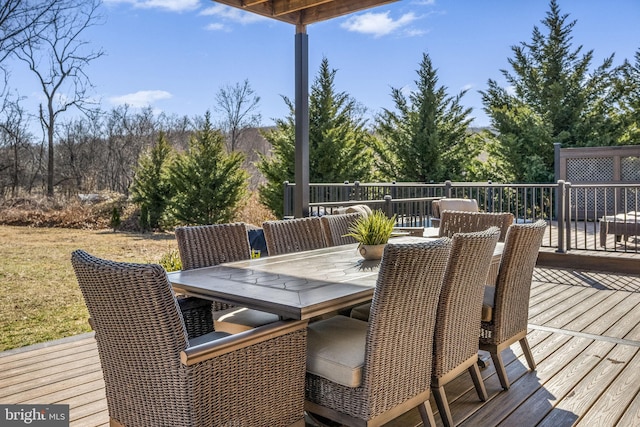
228, 13
216, 26
170, 5
378, 24
468, 86
140, 99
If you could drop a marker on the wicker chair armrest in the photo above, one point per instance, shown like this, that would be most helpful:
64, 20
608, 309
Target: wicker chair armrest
202, 352
253, 378
197, 316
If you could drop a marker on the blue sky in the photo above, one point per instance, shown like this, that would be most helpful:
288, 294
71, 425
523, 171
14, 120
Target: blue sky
174, 55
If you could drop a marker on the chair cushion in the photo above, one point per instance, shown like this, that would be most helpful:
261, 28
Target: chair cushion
361, 312
468, 205
488, 302
211, 336
335, 349
239, 319
363, 210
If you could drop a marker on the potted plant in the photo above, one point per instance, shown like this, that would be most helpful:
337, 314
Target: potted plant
372, 232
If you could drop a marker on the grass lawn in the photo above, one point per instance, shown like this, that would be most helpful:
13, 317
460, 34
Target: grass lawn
40, 299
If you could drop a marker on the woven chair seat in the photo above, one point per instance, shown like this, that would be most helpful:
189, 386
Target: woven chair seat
505, 311
337, 226
396, 368
155, 374
458, 317
294, 235
207, 245
468, 222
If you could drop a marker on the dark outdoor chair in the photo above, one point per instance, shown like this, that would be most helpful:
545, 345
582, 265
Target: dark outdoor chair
366, 374
505, 310
155, 375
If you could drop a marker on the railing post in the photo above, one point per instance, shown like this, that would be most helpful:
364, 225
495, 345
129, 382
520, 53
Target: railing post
560, 195
447, 188
345, 191
356, 186
567, 214
287, 199
556, 162
388, 209
489, 196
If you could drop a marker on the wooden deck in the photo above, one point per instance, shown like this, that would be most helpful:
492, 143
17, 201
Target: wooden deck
584, 333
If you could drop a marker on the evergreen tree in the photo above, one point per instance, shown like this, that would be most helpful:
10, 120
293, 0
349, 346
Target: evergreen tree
630, 105
208, 185
151, 189
339, 144
553, 96
426, 137
115, 219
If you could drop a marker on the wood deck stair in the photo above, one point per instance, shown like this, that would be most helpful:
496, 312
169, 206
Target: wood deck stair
584, 333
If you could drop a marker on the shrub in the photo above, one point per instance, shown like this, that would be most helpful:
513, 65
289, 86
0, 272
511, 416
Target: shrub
170, 261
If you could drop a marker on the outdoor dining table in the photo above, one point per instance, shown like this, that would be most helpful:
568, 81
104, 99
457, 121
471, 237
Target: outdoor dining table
299, 285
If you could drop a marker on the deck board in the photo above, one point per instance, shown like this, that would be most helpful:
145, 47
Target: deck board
590, 388
584, 332
612, 405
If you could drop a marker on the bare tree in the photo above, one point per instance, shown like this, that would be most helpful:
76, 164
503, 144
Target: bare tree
238, 104
19, 21
14, 138
57, 55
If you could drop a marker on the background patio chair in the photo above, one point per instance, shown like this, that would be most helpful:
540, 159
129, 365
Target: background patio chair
451, 204
361, 373
207, 245
361, 209
505, 310
458, 319
294, 235
336, 226
155, 375
452, 222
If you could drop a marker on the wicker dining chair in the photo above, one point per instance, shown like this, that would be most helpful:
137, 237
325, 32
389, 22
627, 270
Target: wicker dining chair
337, 226
361, 373
458, 319
294, 235
505, 310
155, 375
207, 245
451, 204
452, 222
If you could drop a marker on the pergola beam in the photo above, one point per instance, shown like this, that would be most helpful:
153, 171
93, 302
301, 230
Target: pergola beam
284, 7
303, 12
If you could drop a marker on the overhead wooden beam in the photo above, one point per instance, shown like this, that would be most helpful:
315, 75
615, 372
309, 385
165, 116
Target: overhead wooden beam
338, 8
264, 8
303, 12
284, 7
249, 3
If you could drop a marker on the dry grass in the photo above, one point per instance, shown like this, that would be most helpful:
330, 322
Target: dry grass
40, 298
253, 212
